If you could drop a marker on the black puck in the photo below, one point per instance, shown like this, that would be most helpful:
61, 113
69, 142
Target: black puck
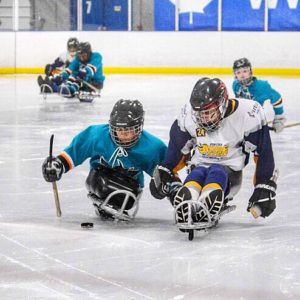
87, 225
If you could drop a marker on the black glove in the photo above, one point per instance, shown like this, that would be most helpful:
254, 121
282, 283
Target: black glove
48, 70
54, 172
163, 183
264, 197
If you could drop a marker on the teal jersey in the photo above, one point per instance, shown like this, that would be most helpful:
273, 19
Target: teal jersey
96, 143
93, 68
259, 91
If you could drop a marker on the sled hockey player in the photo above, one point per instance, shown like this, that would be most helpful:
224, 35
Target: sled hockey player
84, 74
214, 136
61, 62
119, 153
247, 86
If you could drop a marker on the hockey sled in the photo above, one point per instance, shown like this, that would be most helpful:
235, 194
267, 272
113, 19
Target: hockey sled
119, 213
190, 226
85, 96
82, 96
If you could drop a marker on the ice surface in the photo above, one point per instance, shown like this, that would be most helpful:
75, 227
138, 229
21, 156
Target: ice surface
45, 257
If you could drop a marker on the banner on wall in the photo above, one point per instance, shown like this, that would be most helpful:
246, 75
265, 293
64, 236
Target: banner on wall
193, 14
247, 15
101, 14
284, 15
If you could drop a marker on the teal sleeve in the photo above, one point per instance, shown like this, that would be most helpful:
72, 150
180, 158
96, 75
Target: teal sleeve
81, 147
275, 99
71, 70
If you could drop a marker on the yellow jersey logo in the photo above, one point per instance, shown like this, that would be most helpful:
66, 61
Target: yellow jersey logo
216, 151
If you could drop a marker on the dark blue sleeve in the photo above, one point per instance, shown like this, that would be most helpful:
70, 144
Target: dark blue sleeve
263, 154
178, 139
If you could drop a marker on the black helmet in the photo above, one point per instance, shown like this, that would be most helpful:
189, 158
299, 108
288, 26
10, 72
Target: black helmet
85, 48
72, 43
209, 96
243, 63
127, 115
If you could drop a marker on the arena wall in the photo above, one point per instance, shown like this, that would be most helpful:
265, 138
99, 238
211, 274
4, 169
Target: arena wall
272, 53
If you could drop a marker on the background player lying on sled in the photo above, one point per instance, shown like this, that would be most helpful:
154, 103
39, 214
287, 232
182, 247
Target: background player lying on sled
221, 133
247, 86
85, 69
61, 62
119, 153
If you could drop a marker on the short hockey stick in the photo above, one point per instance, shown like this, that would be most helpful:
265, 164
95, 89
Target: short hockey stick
89, 85
287, 125
54, 185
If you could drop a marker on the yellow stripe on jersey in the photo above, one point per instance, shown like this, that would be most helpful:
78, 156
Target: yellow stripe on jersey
193, 184
180, 165
212, 185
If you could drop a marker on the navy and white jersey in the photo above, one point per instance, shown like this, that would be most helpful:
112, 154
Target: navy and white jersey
96, 143
260, 91
93, 68
243, 130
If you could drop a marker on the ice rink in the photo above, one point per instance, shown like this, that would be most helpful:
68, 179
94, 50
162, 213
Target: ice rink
45, 257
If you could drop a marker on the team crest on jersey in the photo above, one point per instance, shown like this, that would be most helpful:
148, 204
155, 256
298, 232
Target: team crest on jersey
200, 132
213, 150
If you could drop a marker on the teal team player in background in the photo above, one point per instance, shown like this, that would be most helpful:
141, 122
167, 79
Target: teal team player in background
86, 67
119, 153
247, 86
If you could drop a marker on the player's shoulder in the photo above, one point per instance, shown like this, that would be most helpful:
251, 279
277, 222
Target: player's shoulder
96, 56
247, 105
249, 111
151, 139
259, 83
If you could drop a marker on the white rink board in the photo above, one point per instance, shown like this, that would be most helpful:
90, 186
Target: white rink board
157, 49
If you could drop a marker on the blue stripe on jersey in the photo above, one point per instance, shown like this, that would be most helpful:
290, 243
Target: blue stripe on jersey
265, 164
178, 139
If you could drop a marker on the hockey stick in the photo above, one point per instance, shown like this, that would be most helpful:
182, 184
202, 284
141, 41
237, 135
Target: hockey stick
286, 126
88, 85
54, 185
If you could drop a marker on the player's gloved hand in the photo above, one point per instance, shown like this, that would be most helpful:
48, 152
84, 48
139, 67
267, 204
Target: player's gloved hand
278, 123
54, 171
163, 183
264, 197
58, 79
82, 74
48, 70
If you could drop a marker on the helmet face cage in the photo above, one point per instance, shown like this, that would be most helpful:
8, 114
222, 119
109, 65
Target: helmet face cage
126, 122
131, 135
243, 71
84, 51
210, 117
